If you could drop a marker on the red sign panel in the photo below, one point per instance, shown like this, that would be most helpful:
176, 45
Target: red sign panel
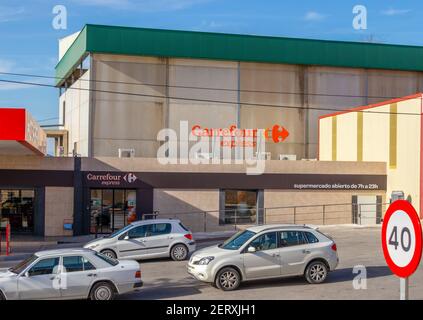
18, 125
12, 124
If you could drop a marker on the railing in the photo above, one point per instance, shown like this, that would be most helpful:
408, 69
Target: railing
322, 214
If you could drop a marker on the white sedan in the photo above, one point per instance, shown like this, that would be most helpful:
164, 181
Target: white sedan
69, 274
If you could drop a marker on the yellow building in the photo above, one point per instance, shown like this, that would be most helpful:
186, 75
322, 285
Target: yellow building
390, 132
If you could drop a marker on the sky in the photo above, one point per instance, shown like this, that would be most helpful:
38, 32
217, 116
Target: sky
29, 42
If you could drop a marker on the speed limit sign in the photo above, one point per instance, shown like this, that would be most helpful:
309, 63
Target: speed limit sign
402, 240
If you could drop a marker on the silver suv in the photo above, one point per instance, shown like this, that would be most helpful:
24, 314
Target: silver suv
263, 252
147, 239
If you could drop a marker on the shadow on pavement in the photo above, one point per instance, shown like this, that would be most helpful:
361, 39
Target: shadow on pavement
166, 288
339, 275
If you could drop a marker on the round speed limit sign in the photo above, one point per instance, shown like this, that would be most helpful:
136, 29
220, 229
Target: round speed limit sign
402, 238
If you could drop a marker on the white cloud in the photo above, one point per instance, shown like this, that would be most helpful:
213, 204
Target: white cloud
6, 65
19, 86
9, 66
143, 5
314, 16
395, 12
8, 14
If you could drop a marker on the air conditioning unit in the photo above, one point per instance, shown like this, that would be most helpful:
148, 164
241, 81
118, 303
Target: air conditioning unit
288, 157
201, 155
126, 153
263, 155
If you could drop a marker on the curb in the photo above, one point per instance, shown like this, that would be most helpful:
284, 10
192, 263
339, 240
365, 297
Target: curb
15, 257
22, 256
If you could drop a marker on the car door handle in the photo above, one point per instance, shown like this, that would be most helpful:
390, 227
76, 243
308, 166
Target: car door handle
91, 275
276, 255
306, 251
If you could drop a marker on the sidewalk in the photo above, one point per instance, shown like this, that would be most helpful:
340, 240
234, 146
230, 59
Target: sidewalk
23, 246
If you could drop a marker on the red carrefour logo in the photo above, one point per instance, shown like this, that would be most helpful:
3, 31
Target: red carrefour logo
279, 133
276, 133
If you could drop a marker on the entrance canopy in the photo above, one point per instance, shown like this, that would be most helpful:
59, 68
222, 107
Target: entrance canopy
20, 134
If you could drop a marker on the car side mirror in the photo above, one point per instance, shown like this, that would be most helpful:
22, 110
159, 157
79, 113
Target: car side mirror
126, 237
26, 274
251, 249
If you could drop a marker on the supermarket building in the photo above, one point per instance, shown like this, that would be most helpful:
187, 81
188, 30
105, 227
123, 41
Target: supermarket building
120, 86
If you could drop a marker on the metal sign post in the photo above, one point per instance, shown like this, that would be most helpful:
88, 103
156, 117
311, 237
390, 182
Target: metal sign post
402, 242
404, 288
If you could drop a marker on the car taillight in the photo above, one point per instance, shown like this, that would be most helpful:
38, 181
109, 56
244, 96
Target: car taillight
334, 247
188, 236
138, 274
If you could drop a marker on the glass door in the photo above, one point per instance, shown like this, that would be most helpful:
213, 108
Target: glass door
111, 209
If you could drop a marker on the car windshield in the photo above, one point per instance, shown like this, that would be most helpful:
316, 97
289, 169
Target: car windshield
23, 265
236, 241
120, 231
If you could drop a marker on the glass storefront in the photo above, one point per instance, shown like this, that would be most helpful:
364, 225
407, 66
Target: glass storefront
240, 207
111, 209
17, 208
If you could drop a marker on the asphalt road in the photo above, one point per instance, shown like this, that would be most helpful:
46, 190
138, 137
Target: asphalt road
166, 279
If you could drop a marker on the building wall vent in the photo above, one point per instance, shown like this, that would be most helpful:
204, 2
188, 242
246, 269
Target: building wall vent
292, 157
263, 155
126, 153
202, 155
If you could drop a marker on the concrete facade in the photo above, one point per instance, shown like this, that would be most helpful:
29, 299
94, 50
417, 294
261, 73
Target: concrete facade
58, 210
159, 92
192, 193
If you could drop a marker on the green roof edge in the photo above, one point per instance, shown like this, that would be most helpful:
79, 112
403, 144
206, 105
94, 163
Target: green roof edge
237, 47
72, 56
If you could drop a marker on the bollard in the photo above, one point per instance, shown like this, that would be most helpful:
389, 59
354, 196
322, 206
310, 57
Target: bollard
8, 249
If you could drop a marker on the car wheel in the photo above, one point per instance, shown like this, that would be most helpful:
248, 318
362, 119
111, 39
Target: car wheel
109, 253
316, 272
179, 252
102, 291
228, 279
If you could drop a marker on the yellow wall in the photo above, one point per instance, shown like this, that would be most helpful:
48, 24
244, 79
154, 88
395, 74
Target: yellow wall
400, 151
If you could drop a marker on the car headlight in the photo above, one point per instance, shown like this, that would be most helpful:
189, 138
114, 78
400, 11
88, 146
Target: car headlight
93, 246
205, 261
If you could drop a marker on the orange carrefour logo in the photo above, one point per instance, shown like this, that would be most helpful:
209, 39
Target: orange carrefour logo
276, 133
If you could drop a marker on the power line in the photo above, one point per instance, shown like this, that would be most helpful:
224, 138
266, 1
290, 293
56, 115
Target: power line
47, 119
201, 88
205, 100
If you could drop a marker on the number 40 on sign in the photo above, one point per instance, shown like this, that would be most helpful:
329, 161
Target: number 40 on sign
402, 241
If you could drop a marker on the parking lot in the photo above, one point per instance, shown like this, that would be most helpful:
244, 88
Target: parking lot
166, 279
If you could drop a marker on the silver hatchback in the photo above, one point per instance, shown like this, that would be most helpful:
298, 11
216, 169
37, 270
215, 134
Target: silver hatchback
263, 252
147, 239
